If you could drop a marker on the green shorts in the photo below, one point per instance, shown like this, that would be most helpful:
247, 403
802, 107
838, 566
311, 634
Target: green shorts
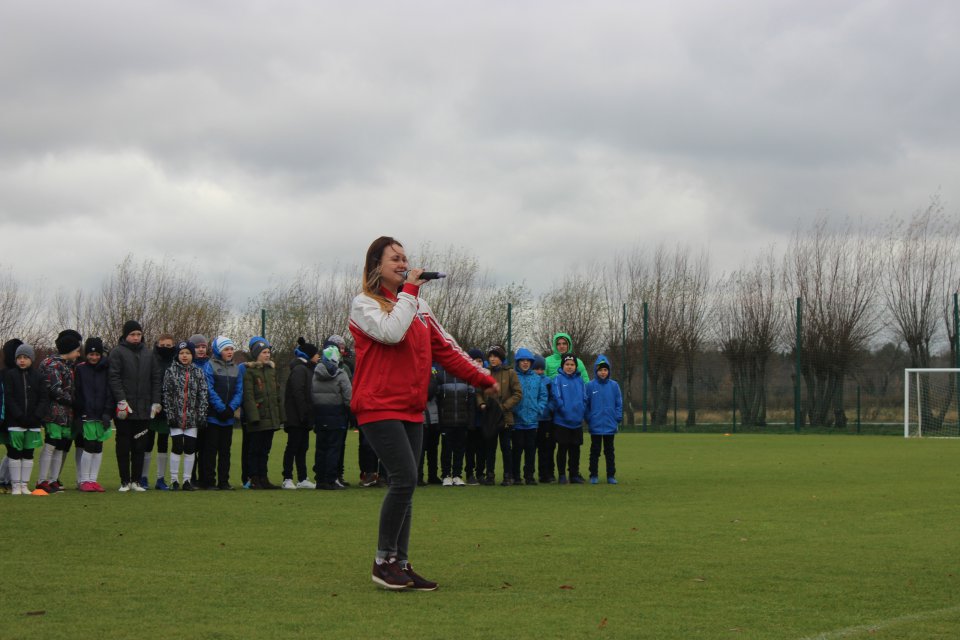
58, 432
24, 440
94, 431
159, 426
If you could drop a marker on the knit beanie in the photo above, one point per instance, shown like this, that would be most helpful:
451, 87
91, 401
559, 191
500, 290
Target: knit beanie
338, 342
497, 350
198, 339
475, 354
539, 362
220, 343
305, 350
93, 345
568, 356
332, 354
258, 344
26, 350
189, 346
129, 327
67, 341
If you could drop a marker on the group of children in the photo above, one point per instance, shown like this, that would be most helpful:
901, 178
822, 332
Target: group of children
187, 396
539, 412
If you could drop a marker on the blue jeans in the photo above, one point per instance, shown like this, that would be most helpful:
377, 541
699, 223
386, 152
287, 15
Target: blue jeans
398, 445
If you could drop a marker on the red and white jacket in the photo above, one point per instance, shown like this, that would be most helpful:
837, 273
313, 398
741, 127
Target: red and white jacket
395, 353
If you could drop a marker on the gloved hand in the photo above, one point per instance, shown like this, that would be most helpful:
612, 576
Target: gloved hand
155, 409
123, 410
225, 414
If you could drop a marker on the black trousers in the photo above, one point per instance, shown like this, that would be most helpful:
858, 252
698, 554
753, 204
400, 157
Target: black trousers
596, 442
546, 445
258, 445
506, 452
453, 445
295, 453
366, 457
216, 455
132, 438
476, 453
525, 446
326, 459
431, 442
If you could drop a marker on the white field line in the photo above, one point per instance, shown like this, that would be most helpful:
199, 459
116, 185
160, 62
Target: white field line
877, 626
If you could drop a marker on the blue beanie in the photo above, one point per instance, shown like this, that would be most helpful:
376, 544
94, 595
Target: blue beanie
220, 343
258, 344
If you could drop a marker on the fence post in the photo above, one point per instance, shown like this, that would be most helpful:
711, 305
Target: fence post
628, 405
509, 331
263, 323
858, 409
674, 389
646, 358
734, 408
956, 353
797, 415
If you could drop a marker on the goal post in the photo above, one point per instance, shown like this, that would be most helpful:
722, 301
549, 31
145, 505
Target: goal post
930, 403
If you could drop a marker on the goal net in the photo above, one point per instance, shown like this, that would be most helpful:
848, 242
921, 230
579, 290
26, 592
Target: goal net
930, 401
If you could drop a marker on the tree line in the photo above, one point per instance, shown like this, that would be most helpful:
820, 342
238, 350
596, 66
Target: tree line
860, 288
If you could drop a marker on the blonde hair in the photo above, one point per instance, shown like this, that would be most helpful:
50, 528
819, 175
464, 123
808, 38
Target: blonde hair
371, 270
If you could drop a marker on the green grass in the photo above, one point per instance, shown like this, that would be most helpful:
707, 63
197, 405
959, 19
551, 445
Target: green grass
707, 536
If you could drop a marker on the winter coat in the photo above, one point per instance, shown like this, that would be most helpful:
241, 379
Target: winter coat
296, 394
395, 350
569, 400
330, 394
225, 386
511, 393
56, 379
526, 415
431, 415
186, 396
456, 401
23, 400
554, 360
546, 415
135, 376
262, 400
604, 410
94, 398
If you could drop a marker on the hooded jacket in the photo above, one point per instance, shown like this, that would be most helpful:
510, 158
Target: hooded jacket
569, 400
296, 394
185, 395
56, 379
225, 386
553, 361
135, 376
526, 415
511, 393
262, 400
94, 398
604, 402
330, 394
456, 405
395, 351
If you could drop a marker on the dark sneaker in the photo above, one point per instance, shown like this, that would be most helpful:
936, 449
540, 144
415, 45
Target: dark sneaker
187, 486
530, 481
548, 480
389, 575
58, 485
176, 486
161, 485
507, 481
472, 481
577, 480
340, 480
225, 486
434, 480
562, 480
419, 582
329, 486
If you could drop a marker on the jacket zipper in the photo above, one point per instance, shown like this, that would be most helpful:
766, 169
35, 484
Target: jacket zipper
186, 395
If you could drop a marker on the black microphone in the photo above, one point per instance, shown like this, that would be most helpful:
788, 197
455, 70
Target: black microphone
428, 275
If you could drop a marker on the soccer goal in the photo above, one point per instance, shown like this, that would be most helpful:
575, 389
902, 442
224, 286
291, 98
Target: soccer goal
930, 400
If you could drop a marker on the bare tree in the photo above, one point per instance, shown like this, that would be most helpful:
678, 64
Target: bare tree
574, 306
749, 326
20, 312
835, 273
692, 277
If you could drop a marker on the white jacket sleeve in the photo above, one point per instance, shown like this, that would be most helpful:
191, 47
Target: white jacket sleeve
388, 328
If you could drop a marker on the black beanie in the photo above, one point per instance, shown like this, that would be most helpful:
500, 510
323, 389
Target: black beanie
10, 352
93, 345
67, 341
306, 349
129, 327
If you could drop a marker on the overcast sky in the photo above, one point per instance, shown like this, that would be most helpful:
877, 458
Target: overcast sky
250, 138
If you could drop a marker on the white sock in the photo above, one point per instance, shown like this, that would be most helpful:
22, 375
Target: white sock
5, 470
175, 468
56, 464
95, 461
26, 470
46, 457
188, 461
161, 465
13, 469
145, 472
77, 459
86, 463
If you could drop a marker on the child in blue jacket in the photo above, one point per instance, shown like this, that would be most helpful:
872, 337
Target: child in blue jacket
604, 414
569, 409
526, 416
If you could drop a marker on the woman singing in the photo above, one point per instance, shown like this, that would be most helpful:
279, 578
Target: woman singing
397, 340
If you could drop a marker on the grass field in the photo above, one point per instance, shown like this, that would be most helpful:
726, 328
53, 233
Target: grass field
707, 536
